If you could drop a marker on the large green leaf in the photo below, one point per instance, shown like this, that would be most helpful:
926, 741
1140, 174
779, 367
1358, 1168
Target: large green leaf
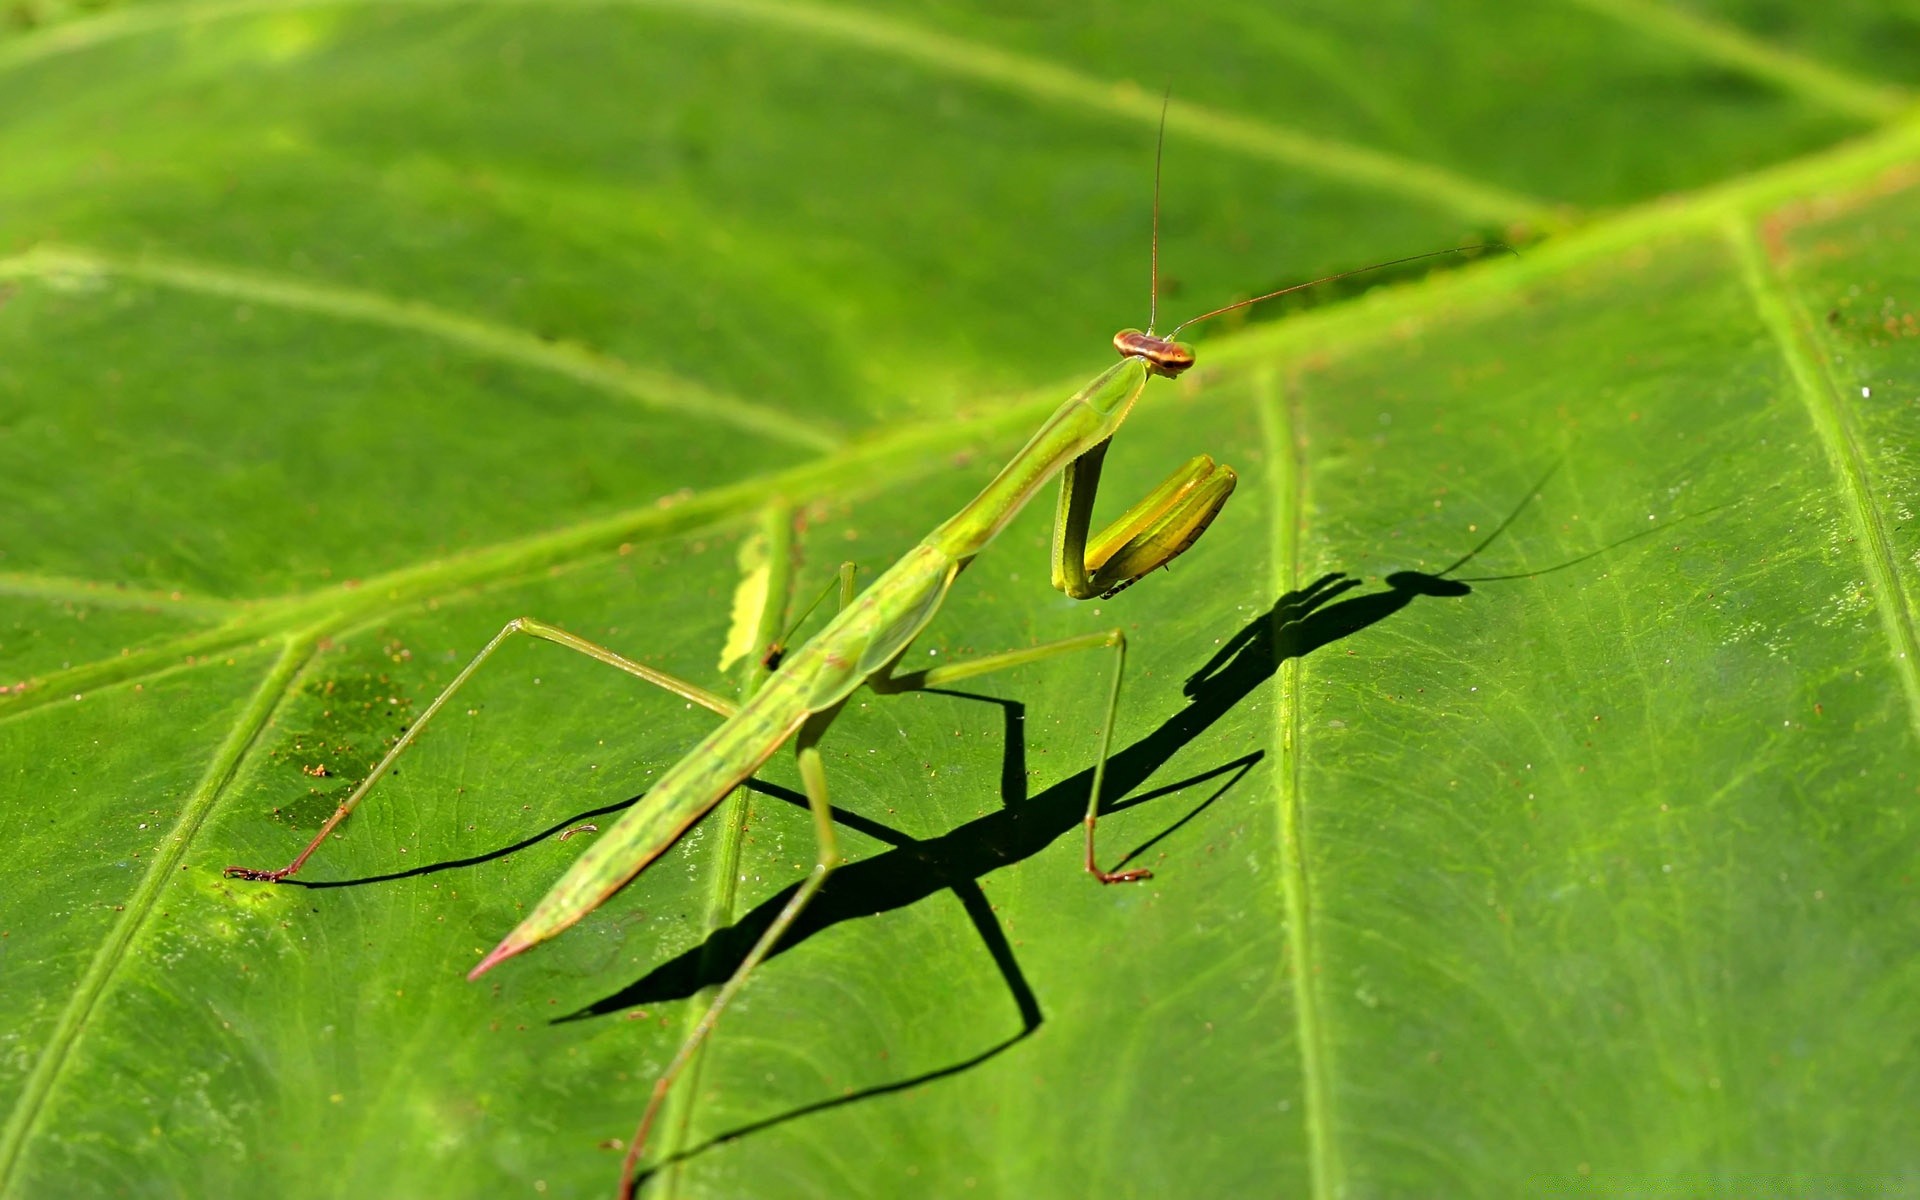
1527, 757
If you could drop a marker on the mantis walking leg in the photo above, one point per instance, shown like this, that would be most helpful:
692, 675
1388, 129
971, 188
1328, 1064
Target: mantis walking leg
526, 625
813, 775
954, 672
1151, 534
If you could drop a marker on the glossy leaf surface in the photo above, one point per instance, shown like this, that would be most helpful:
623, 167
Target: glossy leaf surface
1527, 756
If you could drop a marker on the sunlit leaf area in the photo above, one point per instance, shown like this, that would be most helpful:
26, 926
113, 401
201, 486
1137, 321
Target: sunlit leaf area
1526, 758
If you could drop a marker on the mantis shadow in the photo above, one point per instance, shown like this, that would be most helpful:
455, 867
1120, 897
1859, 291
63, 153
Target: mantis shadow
913, 869
1299, 623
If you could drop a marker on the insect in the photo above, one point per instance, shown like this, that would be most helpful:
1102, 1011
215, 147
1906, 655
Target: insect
863, 645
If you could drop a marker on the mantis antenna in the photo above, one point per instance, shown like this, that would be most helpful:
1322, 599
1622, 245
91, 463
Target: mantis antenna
1392, 262
1167, 357
1159, 150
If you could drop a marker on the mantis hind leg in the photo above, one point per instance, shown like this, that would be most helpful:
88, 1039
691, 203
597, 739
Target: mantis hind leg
1113, 639
532, 628
813, 775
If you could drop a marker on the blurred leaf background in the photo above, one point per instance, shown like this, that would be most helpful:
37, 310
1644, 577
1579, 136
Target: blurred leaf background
335, 334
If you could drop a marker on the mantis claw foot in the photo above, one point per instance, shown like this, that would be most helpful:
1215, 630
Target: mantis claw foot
256, 876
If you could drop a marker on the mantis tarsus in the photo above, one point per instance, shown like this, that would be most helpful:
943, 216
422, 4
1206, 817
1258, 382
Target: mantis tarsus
864, 643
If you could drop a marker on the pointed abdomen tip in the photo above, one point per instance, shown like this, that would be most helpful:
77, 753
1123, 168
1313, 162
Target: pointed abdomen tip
501, 953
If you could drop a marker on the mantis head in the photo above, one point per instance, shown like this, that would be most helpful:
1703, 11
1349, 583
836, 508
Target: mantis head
1163, 356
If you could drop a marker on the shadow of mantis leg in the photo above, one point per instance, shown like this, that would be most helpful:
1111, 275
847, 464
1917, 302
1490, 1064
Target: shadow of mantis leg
532, 628
1114, 639
813, 775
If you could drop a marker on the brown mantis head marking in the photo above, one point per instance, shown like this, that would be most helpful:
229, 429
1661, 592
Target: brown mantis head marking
1163, 356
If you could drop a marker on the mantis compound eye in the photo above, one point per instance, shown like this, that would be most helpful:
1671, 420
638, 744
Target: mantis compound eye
1163, 356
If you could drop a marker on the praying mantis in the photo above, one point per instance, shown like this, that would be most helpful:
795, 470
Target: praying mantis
863, 644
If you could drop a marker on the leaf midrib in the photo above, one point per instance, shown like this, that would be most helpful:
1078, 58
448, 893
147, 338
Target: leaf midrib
871, 464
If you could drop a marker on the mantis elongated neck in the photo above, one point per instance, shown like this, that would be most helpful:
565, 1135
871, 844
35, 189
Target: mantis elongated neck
1088, 418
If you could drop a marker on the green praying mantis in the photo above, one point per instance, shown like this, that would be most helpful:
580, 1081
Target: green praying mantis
864, 644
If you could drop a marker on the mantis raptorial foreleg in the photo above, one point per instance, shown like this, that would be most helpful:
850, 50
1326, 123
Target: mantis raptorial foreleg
1159, 527
532, 628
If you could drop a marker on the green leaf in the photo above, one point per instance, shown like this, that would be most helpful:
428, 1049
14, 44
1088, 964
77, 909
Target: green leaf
1526, 758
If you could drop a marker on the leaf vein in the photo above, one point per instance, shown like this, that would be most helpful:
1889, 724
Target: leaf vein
1286, 502
1841, 91
1820, 393
776, 526
1021, 74
112, 950
98, 594
654, 389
